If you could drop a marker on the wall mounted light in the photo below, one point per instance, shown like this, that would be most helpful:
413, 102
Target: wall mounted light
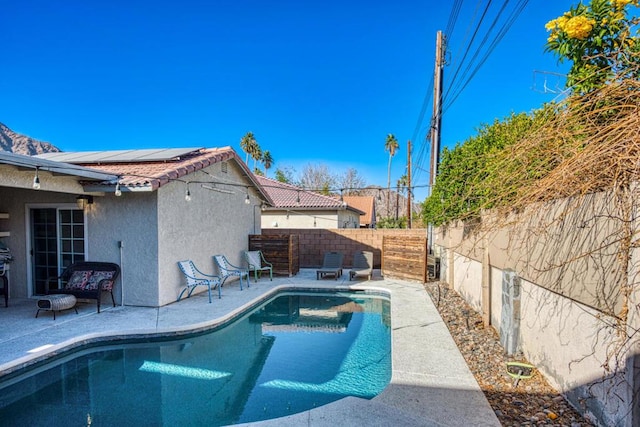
36, 180
187, 194
83, 201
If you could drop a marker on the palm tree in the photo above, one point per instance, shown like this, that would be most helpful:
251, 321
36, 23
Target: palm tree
391, 145
247, 143
267, 161
256, 154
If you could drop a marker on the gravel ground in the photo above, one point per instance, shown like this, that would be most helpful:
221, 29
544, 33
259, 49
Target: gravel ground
532, 401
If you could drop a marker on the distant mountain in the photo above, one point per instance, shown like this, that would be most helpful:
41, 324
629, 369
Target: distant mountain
22, 144
397, 202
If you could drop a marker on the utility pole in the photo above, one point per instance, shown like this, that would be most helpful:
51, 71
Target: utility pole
436, 123
409, 210
437, 110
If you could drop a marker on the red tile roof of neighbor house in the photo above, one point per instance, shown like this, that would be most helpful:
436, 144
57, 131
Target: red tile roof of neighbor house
287, 196
367, 205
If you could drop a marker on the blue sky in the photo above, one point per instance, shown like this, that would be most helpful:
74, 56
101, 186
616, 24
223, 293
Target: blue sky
317, 82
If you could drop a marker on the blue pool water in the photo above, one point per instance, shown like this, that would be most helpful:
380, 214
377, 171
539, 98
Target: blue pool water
293, 353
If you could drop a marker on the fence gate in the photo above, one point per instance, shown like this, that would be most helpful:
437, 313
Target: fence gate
405, 257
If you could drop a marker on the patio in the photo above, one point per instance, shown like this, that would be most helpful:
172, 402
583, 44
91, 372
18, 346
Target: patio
431, 384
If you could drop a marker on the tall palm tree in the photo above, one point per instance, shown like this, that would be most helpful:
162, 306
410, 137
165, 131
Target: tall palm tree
248, 143
256, 155
267, 161
391, 145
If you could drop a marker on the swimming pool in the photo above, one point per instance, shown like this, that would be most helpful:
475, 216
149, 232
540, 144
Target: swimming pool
293, 353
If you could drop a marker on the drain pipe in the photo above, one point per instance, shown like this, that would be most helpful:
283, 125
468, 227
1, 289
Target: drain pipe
120, 245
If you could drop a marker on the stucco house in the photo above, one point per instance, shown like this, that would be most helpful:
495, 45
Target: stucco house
367, 205
294, 207
142, 209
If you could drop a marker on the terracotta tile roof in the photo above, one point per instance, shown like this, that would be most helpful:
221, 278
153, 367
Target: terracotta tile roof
154, 174
367, 205
285, 196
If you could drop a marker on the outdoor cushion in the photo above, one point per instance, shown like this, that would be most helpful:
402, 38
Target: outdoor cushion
78, 279
253, 258
96, 277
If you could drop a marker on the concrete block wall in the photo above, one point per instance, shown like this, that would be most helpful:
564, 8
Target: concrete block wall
314, 242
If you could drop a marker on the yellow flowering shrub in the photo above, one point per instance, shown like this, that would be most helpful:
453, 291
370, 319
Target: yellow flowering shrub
578, 27
599, 38
621, 4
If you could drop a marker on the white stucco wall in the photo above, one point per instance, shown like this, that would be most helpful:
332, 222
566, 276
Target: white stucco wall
496, 297
10, 176
569, 342
132, 220
466, 272
211, 223
299, 219
310, 219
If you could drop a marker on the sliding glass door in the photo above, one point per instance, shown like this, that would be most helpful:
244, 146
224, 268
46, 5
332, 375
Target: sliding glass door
57, 240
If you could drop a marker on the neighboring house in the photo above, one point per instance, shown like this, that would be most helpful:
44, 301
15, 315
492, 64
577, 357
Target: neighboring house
135, 214
294, 207
367, 205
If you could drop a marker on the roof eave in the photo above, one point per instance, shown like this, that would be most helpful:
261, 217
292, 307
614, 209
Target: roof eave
30, 162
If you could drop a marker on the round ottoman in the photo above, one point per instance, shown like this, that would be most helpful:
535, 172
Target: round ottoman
56, 302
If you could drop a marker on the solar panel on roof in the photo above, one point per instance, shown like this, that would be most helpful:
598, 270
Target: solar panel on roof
118, 156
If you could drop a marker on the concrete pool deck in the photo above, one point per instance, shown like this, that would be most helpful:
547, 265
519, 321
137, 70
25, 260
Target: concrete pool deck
431, 384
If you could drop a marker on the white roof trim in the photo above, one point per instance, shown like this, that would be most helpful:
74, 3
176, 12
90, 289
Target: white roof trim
31, 162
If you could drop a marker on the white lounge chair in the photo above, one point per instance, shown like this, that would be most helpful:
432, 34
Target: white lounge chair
226, 270
257, 264
196, 278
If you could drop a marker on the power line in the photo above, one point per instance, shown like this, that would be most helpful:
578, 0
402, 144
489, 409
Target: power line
453, 17
422, 150
501, 33
422, 143
466, 70
468, 48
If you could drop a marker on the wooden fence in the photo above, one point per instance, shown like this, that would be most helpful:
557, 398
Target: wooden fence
281, 250
405, 257
406, 254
